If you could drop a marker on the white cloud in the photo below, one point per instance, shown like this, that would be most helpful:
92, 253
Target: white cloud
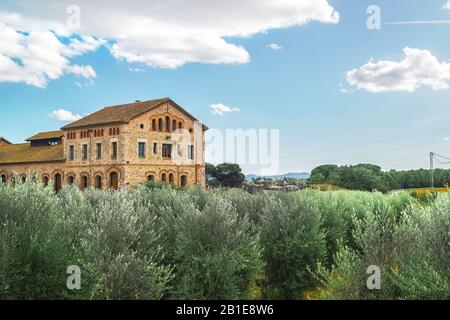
136, 69
275, 46
64, 115
86, 44
447, 6
83, 71
220, 109
36, 57
446, 139
166, 34
344, 90
419, 68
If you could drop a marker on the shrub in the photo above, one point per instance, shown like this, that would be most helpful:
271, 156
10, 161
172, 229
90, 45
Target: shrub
216, 256
410, 247
292, 239
123, 255
34, 249
154, 242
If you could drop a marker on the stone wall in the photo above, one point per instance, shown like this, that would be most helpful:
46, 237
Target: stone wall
130, 168
48, 170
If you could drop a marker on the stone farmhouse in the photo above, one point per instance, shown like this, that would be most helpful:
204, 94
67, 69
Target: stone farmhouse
117, 146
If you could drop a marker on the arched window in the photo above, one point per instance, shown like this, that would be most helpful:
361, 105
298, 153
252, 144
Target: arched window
58, 182
71, 180
45, 181
183, 181
153, 125
98, 182
180, 125
164, 177
150, 178
4, 178
160, 125
171, 178
167, 124
84, 182
174, 125
114, 180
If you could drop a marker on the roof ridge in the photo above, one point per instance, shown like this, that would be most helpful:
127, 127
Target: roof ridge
123, 113
46, 135
136, 102
120, 117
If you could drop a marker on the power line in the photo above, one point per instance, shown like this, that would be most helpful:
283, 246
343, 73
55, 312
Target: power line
434, 157
438, 155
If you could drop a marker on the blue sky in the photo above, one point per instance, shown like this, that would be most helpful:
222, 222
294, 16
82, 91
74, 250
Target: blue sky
297, 89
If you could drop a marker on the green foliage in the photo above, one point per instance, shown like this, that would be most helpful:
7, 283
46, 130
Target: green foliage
34, 249
409, 242
122, 251
216, 255
228, 175
368, 177
292, 239
322, 173
155, 242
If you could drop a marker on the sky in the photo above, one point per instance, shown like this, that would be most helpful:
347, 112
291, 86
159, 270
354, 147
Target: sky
344, 82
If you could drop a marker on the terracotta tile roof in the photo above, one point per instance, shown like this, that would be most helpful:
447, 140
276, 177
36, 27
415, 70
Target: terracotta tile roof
123, 114
3, 139
24, 153
47, 135
116, 114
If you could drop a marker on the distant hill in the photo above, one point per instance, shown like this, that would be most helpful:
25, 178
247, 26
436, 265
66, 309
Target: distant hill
295, 175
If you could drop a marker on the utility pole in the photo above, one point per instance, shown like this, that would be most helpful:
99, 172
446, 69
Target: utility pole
431, 171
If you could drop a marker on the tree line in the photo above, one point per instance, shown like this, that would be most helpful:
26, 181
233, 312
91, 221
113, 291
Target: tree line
228, 175
370, 177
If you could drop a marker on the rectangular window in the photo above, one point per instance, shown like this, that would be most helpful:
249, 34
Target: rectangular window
71, 153
85, 152
155, 148
114, 150
99, 151
141, 149
167, 151
191, 152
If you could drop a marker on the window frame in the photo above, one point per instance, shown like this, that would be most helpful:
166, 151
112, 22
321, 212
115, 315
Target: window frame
166, 146
191, 152
114, 149
99, 150
84, 152
71, 152
143, 143
167, 123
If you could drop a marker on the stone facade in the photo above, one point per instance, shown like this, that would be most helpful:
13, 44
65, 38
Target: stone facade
127, 153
